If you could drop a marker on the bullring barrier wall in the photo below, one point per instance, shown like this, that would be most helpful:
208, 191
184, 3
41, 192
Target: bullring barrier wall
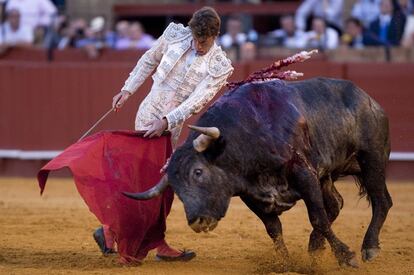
46, 106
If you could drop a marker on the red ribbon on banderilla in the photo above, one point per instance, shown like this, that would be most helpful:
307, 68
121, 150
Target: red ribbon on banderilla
273, 71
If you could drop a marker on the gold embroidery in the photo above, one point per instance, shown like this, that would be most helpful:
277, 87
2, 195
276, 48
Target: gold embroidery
218, 63
176, 32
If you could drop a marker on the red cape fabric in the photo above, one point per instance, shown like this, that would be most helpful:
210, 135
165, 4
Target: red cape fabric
107, 163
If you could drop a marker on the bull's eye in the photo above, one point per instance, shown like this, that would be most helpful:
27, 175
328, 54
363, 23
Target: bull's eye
198, 172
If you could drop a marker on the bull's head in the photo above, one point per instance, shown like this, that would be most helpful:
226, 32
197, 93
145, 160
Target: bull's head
203, 187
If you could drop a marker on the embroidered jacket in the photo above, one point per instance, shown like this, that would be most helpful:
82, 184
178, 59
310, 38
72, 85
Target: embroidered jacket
177, 94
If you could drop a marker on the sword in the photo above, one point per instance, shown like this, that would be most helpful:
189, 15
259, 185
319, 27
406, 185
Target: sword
96, 123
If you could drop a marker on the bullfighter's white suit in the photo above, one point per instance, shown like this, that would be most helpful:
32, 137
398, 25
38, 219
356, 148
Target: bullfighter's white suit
184, 82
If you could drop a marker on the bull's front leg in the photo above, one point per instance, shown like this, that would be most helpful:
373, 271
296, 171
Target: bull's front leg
333, 203
307, 184
274, 230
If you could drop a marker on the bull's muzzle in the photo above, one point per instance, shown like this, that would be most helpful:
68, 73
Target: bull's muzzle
204, 224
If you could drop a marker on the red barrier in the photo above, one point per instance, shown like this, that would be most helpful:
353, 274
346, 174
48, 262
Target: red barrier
391, 85
49, 105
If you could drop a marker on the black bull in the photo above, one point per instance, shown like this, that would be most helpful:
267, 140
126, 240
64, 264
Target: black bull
273, 143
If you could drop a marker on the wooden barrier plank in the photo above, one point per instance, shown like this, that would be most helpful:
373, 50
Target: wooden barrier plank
8, 103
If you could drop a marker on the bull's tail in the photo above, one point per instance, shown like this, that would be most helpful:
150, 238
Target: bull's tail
362, 190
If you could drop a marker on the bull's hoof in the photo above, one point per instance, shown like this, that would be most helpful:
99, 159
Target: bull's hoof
368, 254
316, 242
282, 259
350, 261
316, 253
316, 258
283, 264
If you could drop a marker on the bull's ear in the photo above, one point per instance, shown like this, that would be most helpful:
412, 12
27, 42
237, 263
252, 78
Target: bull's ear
215, 149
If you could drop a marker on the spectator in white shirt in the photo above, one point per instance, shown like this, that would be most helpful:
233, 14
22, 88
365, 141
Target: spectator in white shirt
321, 36
366, 11
121, 32
288, 36
330, 10
13, 33
34, 13
234, 36
136, 39
408, 35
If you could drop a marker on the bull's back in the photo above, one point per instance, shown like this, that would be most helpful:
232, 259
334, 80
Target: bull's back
342, 119
342, 105
330, 96
337, 114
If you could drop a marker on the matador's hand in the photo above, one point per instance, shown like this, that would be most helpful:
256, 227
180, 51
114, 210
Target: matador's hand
119, 99
158, 126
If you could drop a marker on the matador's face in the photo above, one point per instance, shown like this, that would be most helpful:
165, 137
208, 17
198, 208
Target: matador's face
203, 44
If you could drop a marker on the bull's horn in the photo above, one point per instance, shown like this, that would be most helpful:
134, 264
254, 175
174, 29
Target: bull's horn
208, 134
151, 193
213, 132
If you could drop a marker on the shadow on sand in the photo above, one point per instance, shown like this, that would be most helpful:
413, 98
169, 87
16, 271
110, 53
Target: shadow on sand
53, 259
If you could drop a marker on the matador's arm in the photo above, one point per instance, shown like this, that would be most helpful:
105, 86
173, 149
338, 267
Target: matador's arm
145, 65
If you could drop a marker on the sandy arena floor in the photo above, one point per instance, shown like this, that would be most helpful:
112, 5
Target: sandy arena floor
52, 235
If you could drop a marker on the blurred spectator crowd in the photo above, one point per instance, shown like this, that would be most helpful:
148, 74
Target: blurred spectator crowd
316, 24
320, 24
37, 23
